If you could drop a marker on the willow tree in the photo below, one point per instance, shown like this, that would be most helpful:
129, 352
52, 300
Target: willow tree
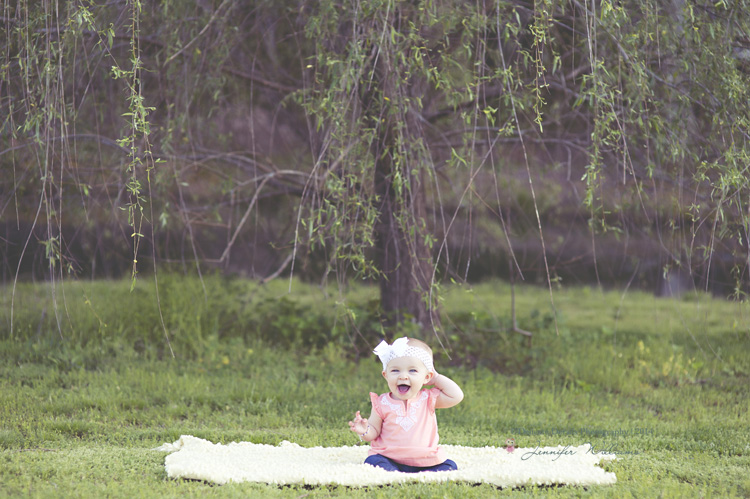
654, 94
407, 120
376, 69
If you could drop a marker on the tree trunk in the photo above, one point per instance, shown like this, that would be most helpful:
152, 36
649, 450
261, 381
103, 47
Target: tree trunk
402, 254
403, 258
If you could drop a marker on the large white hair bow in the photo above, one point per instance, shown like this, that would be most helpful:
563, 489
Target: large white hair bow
401, 348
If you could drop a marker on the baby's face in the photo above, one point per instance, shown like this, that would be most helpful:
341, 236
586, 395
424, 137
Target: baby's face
406, 376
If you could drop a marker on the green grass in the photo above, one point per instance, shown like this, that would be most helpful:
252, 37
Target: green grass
666, 383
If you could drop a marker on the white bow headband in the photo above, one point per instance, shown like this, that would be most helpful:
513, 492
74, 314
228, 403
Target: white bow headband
401, 348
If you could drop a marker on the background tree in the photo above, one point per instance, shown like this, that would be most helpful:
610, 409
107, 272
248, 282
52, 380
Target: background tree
407, 141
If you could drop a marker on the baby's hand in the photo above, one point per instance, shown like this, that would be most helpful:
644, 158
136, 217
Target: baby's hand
359, 424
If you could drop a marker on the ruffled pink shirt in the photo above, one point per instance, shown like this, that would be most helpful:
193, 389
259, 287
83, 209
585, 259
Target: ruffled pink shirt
409, 433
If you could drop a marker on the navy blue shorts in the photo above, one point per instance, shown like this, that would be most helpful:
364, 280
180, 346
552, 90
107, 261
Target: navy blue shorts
391, 465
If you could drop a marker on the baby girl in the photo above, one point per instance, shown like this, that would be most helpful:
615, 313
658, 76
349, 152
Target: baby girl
402, 427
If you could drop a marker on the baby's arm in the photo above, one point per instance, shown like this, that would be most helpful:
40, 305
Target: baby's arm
368, 429
451, 394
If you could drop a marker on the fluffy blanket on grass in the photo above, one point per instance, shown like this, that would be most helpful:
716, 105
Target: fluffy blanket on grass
288, 463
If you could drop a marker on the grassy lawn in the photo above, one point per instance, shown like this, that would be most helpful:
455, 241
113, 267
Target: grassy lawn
88, 388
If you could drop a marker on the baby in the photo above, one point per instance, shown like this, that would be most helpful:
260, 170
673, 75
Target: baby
402, 427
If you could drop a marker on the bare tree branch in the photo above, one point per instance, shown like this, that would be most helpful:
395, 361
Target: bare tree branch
281, 268
258, 79
205, 28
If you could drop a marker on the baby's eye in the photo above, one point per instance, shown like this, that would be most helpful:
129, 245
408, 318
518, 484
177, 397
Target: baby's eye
413, 371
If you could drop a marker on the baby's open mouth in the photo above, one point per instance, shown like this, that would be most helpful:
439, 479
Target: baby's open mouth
403, 389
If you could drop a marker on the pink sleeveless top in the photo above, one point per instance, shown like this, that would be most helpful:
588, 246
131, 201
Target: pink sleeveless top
409, 432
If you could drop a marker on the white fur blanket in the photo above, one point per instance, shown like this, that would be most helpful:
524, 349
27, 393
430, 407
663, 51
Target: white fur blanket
288, 463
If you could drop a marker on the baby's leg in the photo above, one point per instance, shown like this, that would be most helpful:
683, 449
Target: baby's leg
381, 462
447, 465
